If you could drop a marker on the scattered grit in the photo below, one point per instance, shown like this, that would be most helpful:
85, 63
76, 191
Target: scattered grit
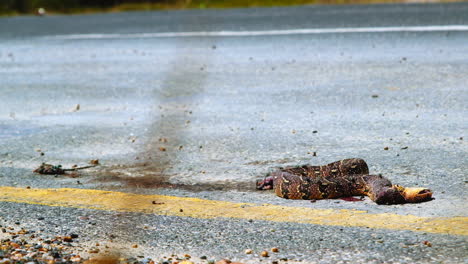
21, 246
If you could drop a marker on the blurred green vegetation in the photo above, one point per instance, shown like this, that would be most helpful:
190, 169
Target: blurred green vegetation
13, 7
67, 6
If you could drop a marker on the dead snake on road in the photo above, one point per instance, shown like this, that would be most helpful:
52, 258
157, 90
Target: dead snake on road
344, 178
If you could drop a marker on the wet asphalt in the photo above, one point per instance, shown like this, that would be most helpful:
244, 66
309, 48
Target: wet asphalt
206, 116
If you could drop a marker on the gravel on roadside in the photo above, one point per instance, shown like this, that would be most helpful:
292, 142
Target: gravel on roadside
21, 246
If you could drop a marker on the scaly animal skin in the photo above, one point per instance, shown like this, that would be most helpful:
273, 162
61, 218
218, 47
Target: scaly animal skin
344, 178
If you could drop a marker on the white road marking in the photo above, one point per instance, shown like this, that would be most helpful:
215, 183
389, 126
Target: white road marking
304, 31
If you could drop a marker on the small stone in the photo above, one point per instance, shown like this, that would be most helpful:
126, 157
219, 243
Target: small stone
94, 251
427, 243
404, 147
385, 148
315, 131
187, 256
275, 249
223, 261
75, 259
162, 149
76, 108
134, 246
375, 95
14, 245
203, 257
264, 254
248, 251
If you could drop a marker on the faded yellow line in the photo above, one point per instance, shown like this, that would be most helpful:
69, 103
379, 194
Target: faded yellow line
210, 209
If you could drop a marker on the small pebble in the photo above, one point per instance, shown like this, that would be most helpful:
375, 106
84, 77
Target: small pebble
427, 243
275, 249
264, 254
248, 251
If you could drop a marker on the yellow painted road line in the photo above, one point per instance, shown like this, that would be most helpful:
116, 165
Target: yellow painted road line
210, 209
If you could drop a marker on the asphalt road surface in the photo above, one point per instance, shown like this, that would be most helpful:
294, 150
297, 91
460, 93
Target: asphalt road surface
201, 103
